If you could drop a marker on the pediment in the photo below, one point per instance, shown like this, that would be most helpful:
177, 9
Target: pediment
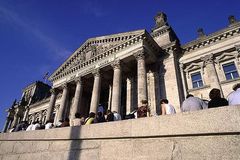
93, 47
226, 56
193, 66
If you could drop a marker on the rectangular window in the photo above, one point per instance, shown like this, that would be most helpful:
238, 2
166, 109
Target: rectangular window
196, 80
230, 71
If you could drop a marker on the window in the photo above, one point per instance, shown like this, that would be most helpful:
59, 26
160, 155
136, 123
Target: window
196, 80
230, 71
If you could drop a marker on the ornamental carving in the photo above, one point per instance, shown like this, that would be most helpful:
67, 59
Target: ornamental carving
116, 64
139, 55
65, 86
96, 72
208, 59
78, 80
53, 90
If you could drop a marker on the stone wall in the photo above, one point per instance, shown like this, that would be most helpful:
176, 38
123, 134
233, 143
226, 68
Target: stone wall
207, 134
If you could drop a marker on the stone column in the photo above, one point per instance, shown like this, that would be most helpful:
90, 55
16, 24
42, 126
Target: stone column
6, 124
77, 98
96, 91
141, 76
183, 81
116, 90
211, 72
51, 104
110, 97
63, 102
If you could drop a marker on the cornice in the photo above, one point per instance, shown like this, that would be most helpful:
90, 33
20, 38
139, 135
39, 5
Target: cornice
143, 36
220, 35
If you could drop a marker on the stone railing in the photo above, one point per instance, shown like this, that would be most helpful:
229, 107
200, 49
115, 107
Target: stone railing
207, 134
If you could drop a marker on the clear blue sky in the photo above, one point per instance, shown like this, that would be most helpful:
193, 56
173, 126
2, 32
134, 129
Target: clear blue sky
36, 36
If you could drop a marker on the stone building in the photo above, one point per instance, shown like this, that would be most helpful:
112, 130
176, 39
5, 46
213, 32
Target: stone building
120, 70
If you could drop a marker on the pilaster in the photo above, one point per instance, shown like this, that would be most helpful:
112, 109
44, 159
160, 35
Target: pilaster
211, 73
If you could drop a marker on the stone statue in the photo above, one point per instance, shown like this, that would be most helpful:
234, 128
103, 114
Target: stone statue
161, 20
232, 19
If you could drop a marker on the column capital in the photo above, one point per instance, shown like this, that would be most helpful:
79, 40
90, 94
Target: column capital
53, 90
140, 54
65, 85
96, 72
78, 80
116, 64
208, 59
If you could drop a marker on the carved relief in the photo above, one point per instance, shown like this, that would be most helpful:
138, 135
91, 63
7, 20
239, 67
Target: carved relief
208, 59
139, 55
116, 64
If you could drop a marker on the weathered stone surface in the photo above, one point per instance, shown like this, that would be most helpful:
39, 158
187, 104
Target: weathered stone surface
207, 134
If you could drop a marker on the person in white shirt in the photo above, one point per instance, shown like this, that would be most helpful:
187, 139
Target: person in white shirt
117, 116
166, 107
49, 124
234, 97
36, 126
29, 128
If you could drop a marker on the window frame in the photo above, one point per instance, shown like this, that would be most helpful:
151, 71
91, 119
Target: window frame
198, 82
228, 63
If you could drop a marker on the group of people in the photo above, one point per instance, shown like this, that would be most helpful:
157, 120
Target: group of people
191, 103
100, 117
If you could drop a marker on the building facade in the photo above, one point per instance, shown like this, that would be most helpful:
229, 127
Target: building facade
119, 70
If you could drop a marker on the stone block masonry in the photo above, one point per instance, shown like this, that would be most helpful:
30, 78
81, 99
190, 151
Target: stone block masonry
207, 134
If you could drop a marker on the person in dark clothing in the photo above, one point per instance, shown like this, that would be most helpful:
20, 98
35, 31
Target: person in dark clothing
216, 100
100, 118
21, 126
65, 123
110, 116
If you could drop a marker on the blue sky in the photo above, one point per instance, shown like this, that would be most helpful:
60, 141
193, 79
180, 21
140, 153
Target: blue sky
36, 36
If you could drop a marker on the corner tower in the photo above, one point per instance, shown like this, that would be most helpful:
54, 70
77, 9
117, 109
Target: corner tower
169, 71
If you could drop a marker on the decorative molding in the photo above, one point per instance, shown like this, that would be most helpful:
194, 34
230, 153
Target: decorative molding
226, 56
208, 59
53, 91
194, 66
65, 86
78, 80
96, 72
139, 55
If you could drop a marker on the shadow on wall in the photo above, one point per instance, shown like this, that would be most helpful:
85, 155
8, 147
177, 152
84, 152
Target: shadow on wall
75, 148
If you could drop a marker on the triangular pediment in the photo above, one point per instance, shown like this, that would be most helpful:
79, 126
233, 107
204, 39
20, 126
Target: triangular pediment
193, 66
93, 47
226, 56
